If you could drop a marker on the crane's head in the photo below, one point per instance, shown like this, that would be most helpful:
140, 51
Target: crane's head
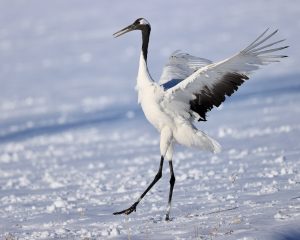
139, 24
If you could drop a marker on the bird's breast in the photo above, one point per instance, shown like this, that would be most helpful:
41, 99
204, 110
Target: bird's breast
150, 103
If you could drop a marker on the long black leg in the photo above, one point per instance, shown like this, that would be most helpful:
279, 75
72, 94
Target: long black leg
172, 183
156, 178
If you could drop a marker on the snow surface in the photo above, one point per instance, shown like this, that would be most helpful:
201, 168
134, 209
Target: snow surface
75, 147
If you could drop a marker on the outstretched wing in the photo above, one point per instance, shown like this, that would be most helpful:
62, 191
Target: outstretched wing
179, 66
208, 86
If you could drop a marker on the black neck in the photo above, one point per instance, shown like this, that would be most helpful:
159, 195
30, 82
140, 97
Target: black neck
146, 34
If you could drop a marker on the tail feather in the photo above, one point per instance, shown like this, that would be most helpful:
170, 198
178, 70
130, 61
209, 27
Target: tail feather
215, 146
192, 137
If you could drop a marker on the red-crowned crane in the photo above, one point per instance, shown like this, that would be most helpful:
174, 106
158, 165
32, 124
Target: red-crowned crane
188, 88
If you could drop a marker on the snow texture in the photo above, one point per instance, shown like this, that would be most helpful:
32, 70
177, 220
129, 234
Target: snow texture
75, 146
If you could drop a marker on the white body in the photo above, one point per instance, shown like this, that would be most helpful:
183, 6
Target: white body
172, 127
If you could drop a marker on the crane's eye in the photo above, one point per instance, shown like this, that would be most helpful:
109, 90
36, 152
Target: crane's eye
137, 22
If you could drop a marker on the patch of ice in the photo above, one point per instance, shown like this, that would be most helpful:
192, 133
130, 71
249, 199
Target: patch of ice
283, 171
268, 189
51, 181
60, 231
24, 181
291, 181
91, 166
111, 231
229, 197
9, 157
121, 189
115, 231
281, 216
59, 203
272, 173
44, 234
279, 159
5, 158
225, 131
50, 208
181, 177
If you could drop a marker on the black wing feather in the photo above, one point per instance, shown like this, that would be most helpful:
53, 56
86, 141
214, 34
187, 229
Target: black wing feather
207, 99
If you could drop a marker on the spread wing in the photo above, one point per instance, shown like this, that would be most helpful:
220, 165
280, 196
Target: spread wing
179, 66
209, 85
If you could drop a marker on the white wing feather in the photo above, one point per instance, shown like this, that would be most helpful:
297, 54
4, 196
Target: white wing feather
208, 86
180, 65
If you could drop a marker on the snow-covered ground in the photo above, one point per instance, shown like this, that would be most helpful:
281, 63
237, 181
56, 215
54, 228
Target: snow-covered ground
75, 147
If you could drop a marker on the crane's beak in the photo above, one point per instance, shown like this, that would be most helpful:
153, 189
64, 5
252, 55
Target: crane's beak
124, 30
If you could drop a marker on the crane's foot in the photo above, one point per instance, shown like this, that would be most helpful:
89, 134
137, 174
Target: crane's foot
168, 218
128, 210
